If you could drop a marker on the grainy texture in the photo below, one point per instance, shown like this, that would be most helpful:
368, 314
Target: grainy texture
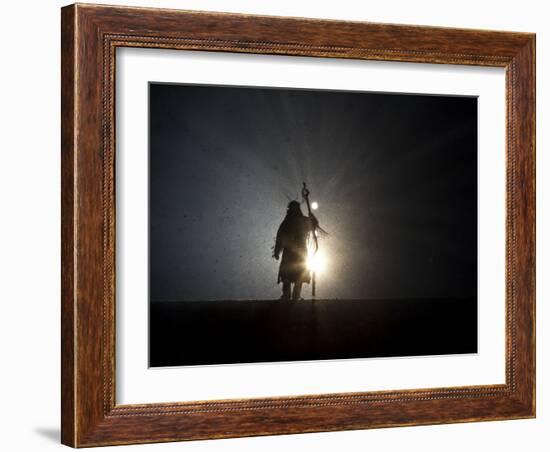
90, 35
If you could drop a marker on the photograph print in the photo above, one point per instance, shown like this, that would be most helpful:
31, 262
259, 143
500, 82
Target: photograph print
297, 224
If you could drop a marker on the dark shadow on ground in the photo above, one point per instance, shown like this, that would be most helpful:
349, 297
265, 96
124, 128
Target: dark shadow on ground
223, 332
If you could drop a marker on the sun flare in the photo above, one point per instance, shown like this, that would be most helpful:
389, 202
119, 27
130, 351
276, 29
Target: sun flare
316, 262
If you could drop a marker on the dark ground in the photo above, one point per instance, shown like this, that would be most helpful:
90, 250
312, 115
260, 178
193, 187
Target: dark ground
222, 332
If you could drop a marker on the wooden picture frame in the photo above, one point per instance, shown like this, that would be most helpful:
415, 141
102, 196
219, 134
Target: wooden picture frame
90, 36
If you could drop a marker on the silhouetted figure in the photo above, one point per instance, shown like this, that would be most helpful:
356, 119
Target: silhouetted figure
291, 240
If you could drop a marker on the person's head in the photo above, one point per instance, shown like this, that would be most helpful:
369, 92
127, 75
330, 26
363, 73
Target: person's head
294, 208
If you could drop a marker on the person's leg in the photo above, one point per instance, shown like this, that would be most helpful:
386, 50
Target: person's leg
286, 290
297, 292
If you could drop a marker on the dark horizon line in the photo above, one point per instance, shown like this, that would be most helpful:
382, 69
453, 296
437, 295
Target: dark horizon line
317, 299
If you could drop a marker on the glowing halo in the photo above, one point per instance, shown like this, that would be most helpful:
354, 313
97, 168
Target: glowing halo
316, 262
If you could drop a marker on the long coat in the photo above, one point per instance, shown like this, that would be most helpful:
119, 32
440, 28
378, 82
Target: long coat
291, 239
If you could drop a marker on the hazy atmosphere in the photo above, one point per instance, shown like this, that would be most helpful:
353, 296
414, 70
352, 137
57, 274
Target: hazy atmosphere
395, 177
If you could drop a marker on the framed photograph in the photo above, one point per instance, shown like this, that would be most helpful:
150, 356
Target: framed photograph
281, 225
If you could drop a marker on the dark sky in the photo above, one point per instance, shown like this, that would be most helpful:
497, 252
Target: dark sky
395, 177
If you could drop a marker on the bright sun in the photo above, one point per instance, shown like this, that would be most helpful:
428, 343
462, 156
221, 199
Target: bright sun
316, 262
